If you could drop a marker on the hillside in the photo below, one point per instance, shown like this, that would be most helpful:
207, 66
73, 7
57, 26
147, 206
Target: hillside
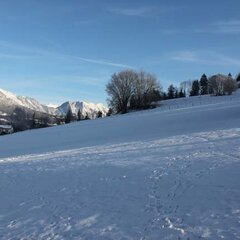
167, 173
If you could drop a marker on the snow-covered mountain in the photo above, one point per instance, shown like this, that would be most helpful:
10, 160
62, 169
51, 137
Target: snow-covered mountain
86, 108
10, 99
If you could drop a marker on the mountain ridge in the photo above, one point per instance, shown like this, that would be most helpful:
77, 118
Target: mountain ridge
10, 99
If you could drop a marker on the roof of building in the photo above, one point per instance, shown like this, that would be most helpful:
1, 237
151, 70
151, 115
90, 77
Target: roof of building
6, 126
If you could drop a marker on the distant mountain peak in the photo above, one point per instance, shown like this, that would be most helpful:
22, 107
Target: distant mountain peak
86, 108
52, 105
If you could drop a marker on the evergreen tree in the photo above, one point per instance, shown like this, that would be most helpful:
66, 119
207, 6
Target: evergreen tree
204, 85
79, 115
33, 120
156, 95
181, 93
69, 116
176, 95
99, 114
165, 96
229, 75
45, 121
195, 88
171, 92
110, 112
238, 78
87, 117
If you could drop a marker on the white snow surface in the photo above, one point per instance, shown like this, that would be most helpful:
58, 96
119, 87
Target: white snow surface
167, 173
6, 126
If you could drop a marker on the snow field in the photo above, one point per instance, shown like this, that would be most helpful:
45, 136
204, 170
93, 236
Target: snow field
157, 174
185, 186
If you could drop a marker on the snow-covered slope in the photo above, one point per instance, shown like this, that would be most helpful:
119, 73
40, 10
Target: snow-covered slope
199, 101
86, 108
8, 98
157, 174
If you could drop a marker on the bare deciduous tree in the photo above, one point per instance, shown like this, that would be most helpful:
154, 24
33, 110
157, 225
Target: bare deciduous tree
146, 89
230, 85
222, 84
120, 90
186, 86
132, 89
216, 82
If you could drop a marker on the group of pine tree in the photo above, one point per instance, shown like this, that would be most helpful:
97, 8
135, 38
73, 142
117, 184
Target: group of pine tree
215, 85
70, 117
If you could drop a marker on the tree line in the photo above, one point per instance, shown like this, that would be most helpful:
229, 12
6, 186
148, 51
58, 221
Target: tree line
217, 85
70, 117
131, 90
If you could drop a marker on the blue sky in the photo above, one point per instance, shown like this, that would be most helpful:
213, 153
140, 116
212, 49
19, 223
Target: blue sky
58, 50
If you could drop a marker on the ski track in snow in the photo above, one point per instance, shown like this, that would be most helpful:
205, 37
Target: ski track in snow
158, 189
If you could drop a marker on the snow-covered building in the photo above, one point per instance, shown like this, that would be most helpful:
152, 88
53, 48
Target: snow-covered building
6, 129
